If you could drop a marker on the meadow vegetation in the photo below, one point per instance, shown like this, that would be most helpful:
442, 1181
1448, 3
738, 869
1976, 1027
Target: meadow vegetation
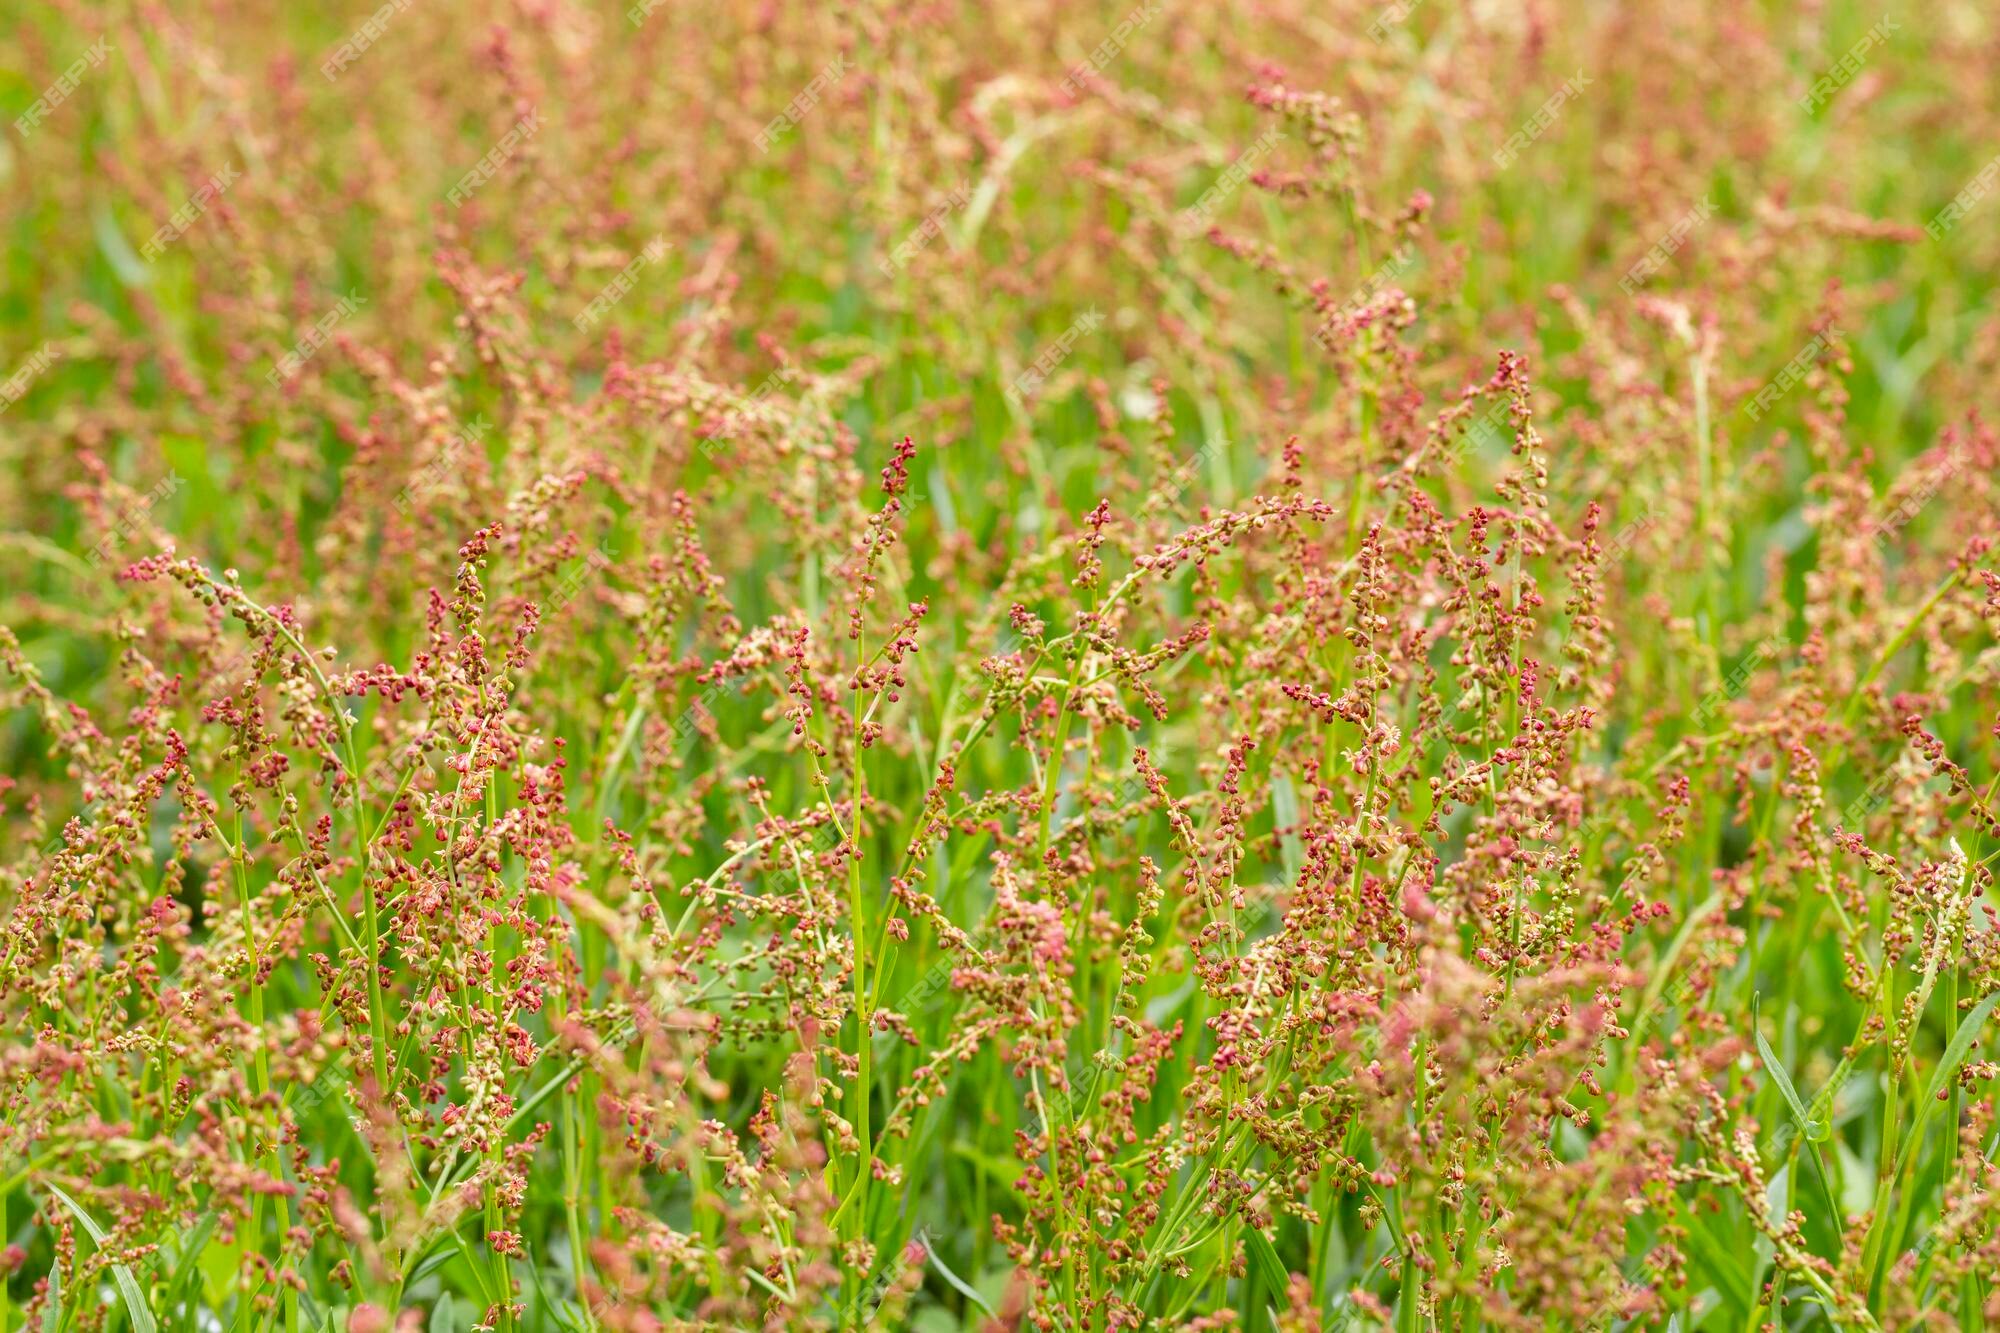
1283, 666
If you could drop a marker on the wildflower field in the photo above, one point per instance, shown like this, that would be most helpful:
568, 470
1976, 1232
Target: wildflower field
1286, 666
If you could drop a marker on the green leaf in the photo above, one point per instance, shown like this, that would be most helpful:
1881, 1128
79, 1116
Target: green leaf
560, 1309
1723, 1262
1775, 1067
1954, 1056
52, 1313
1961, 1046
128, 1286
190, 1259
1285, 812
954, 1281
433, 1261
941, 505
1265, 1266
118, 252
1819, 1116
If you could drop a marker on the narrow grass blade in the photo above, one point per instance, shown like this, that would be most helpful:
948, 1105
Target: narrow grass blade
128, 1286
1266, 1268
190, 1260
1960, 1047
1775, 1067
1954, 1055
52, 1313
957, 1283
